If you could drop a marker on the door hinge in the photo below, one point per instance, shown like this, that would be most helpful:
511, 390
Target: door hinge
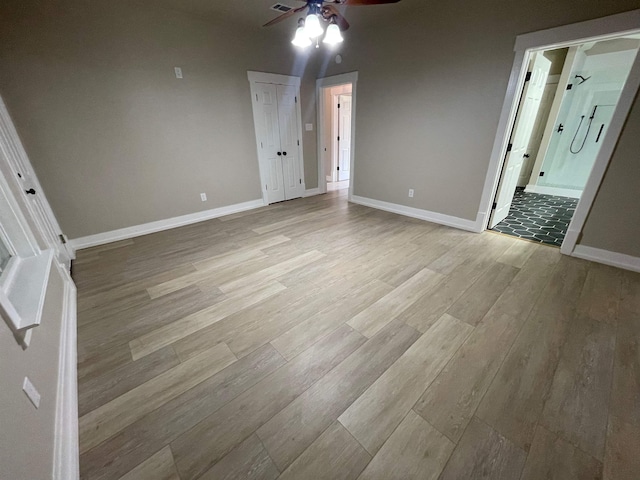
509, 147
62, 239
338, 105
296, 99
541, 174
570, 86
493, 207
528, 77
257, 97
338, 168
298, 142
338, 137
261, 145
266, 187
300, 181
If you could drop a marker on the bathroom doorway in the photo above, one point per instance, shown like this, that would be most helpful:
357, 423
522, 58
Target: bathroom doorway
567, 104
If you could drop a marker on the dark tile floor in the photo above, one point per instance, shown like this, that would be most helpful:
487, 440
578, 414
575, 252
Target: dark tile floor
537, 217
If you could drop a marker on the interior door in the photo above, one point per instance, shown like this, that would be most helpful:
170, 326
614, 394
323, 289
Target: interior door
40, 212
344, 137
270, 142
525, 120
289, 141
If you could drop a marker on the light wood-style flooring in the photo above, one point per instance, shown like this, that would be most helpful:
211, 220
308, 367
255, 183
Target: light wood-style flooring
316, 339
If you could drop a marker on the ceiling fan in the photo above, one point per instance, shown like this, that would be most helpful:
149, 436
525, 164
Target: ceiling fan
310, 27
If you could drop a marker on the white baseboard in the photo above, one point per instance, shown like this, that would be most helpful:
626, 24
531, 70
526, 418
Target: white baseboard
614, 259
311, 192
66, 464
146, 228
462, 223
560, 192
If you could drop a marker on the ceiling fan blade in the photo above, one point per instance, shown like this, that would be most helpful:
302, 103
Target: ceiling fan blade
360, 2
329, 11
284, 16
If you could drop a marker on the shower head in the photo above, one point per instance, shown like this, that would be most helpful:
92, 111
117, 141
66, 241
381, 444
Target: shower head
582, 79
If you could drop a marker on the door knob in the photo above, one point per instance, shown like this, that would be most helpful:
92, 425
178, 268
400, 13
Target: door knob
284, 153
31, 191
279, 153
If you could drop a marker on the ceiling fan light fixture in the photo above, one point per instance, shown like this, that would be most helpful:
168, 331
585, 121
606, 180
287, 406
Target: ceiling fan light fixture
333, 36
301, 39
312, 27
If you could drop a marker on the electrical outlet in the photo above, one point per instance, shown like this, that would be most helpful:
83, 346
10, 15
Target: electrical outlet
31, 392
411, 193
203, 197
178, 71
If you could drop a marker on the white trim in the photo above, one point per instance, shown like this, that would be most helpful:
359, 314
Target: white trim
334, 81
560, 192
311, 192
263, 77
607, 257
276, 79
151, 227
434, 217
66, 450
565, 36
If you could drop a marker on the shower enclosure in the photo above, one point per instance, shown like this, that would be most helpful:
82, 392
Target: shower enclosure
596, 81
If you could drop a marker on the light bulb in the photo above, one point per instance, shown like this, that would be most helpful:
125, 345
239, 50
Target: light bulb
333, 36
301, 38
312, 27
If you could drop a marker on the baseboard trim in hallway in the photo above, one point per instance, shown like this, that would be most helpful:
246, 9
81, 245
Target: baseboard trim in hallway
607, 257
166, 224
442, 219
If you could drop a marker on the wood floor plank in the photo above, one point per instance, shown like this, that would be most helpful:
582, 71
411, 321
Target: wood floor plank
578, 403
335, 455
273, 272
373, 318
97, 391
109, 419
248, 461
122, 452
483, 454
625, 390
601, 294
517, 254
225, 260
451, 400
307, 332
514, 401
158, 467
553, 458
197, 450
474, 304
372, 418
251, 317
622, 461
292, 430
415, 450
174, 331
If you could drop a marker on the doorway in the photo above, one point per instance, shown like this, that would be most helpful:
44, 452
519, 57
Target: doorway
569, 100
336, 127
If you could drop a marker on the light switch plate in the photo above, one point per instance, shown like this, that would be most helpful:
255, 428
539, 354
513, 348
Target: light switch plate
178, 71
31, 392
308, 127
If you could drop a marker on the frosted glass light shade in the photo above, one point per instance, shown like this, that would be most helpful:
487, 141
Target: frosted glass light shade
333, 36
312, 26
301, 38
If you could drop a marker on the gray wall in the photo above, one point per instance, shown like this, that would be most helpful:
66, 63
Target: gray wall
115, 138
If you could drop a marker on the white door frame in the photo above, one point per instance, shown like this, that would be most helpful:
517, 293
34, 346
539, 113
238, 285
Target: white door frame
277, 79
599, 29
334, 81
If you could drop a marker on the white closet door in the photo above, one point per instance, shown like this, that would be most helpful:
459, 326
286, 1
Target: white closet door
344, 129
270, 142
287, 113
